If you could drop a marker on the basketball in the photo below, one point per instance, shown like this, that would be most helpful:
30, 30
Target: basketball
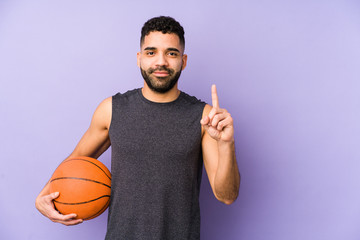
84, 185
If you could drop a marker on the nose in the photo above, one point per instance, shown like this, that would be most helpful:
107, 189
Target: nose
161, 60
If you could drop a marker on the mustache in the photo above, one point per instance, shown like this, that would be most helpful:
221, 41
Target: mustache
161, 68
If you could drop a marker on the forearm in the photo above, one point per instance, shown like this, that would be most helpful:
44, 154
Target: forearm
227, 177
44, 191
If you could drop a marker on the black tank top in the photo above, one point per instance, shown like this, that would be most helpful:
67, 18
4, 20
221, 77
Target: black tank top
156, 168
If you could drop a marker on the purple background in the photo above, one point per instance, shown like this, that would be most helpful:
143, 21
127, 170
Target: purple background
288, 71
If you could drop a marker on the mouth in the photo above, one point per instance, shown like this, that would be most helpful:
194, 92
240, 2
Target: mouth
161, 73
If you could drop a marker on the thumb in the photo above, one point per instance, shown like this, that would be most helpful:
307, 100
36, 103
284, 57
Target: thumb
53, 195
204, 121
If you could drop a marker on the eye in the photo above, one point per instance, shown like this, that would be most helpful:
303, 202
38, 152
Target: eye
150, 53
173, 54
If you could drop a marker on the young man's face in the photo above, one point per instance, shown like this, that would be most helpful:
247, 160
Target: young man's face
161, 60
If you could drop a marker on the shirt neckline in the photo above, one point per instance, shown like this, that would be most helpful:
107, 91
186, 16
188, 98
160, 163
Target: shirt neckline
158, 103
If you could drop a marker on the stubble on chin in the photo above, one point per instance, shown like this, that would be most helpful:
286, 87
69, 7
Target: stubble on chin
160, 84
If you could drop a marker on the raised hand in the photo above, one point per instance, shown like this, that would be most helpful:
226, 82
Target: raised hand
218, 123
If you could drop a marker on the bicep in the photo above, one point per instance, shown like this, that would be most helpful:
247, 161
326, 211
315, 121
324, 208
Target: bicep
96, 140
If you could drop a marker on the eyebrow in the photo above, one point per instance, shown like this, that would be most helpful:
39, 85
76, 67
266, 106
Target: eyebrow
149, 48
168, 49
173, 49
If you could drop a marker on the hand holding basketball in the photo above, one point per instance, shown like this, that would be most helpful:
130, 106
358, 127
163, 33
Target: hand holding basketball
79, 190
46, 206
218, 123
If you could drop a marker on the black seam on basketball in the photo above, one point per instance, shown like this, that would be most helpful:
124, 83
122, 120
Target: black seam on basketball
82, 179
100, 211
72, 159
78, 203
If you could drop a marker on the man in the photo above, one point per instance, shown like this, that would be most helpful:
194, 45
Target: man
160, 138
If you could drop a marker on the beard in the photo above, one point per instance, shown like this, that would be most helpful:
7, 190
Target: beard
160, 84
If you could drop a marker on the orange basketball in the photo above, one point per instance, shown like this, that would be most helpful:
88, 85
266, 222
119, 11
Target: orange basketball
84, 185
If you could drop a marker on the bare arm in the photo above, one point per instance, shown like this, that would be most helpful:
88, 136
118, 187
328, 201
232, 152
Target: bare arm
93, 143
219, 151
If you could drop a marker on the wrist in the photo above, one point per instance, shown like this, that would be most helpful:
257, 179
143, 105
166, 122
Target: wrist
229, 142
226, 147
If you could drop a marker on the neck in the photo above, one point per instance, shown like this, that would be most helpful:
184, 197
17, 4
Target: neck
153, 96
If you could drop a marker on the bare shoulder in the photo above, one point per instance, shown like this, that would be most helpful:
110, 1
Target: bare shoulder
206, 110
103, 112
106, 104
205, 113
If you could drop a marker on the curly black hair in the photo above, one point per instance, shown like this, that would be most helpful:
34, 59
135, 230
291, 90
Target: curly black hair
165, 25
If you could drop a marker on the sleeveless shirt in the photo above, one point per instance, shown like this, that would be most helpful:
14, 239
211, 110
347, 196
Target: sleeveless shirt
156, 167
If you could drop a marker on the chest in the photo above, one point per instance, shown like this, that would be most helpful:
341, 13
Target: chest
159, 138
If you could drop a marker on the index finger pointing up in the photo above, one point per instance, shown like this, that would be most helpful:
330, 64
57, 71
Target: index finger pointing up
214, 97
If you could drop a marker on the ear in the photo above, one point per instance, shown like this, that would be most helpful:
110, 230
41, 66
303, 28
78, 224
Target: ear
184, 61
138, 56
